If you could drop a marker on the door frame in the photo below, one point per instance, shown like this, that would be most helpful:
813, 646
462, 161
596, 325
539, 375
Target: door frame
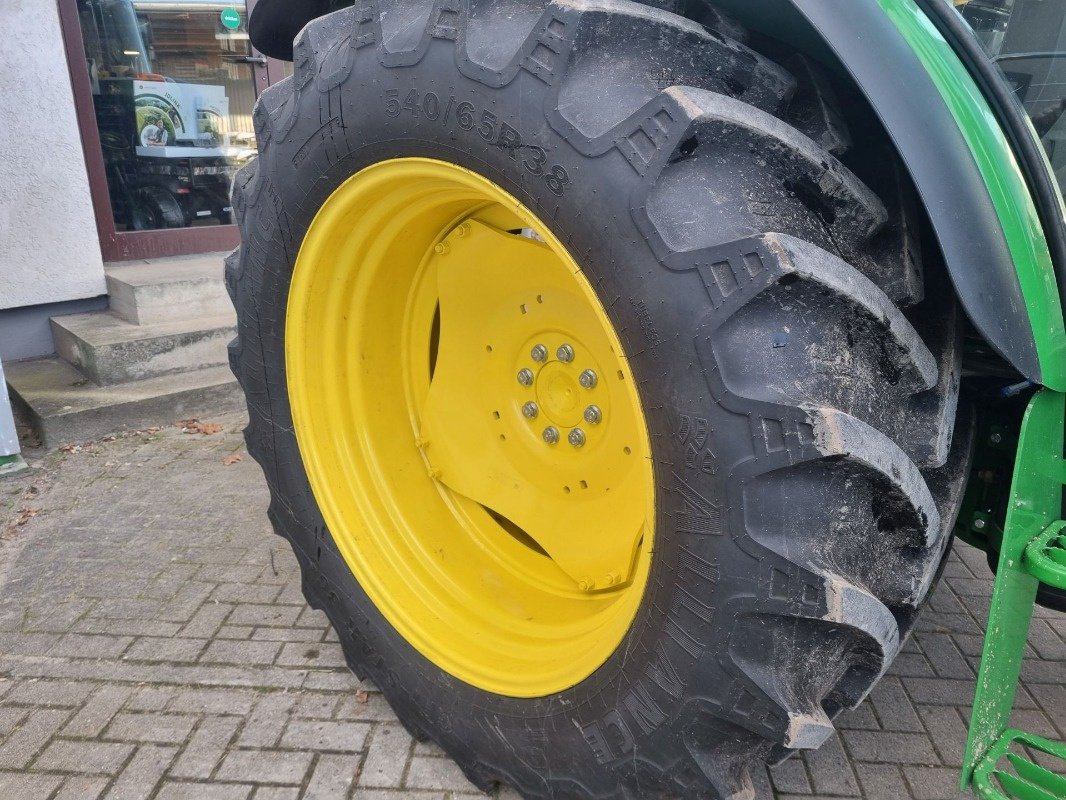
116, 245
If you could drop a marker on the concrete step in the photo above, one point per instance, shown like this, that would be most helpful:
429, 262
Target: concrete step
168, 289
65, 408
110, 350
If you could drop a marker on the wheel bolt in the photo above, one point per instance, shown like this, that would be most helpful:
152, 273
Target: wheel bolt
525, 376
565, 353
539, 352
587, 379
593, 415
576, 437
530, 410
551, 434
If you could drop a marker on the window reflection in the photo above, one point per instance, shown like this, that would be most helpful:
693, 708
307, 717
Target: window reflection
173, 93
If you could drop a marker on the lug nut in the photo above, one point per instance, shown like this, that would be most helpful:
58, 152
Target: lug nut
530, 410
551, 434
587, 379
576, 437
539, 352
978, 524
593, 415
565, 353
525, 376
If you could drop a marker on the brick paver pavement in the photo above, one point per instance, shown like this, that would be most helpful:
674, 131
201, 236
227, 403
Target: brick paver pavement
154, 644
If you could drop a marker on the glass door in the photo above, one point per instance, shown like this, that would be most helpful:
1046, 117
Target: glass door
172, 86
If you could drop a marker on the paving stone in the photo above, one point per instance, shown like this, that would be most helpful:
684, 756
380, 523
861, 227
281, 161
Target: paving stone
265, 766
894, 709
947, 730
889, 747
261, 614
934, 783
321, 735
206, 747
82, 787
139, 779
386, 757
36, 730
63, 694
791, 777
881, 781
236, 652
82, 645
267, 721
276, 793
102, 758
28, 786
98, 711
173, 649
317, 654
333, 777
437, 773
149, 727
182, 790
829, 769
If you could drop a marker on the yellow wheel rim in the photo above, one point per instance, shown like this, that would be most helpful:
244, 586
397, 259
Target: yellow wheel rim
470, 427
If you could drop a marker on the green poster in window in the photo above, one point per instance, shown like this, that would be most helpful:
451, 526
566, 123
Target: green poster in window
231, 18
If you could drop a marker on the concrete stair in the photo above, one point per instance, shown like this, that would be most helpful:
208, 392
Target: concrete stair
159, 354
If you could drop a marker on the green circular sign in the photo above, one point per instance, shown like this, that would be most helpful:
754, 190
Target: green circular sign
231, 18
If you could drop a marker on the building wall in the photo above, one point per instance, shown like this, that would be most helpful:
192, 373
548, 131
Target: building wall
49, 250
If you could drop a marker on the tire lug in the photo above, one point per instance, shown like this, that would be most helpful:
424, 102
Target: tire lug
588, 379
539, 352
576, 437
525, 376
551, 434
593, 415
530, 410
565, 353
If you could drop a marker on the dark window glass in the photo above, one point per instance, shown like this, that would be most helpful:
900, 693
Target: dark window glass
173, 92
1027, 40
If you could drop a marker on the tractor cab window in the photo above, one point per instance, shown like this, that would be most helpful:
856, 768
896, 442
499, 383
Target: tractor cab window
173, 92
1027, 40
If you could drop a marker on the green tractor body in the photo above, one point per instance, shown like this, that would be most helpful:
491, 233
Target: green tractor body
967, 99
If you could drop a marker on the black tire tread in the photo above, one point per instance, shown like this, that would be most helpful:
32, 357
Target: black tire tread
818, 230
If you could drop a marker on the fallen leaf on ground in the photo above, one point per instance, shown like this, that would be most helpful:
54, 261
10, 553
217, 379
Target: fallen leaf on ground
26, 514
194, 425
361, 696
232, 459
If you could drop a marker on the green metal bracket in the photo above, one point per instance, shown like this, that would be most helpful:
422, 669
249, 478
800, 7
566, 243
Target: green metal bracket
1033, 549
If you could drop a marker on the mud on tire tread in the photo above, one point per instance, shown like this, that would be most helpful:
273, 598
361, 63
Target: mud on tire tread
809, 510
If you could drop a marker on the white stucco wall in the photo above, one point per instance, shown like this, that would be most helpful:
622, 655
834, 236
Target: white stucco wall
49, 250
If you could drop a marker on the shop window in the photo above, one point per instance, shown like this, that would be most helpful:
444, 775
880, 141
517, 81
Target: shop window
173, 92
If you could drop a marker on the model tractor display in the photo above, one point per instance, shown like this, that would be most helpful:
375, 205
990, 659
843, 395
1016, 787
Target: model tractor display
619, 369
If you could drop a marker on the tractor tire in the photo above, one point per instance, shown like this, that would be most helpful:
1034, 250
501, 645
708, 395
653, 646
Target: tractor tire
158, 208
795, 356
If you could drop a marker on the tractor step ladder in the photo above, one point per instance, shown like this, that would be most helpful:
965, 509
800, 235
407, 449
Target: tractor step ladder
1033, 550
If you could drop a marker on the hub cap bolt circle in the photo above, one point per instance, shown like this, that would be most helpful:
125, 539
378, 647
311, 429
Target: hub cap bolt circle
530, 410
565, 353
539, 352
551, 434
588, 379
525, 376
593, 415
576, 437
